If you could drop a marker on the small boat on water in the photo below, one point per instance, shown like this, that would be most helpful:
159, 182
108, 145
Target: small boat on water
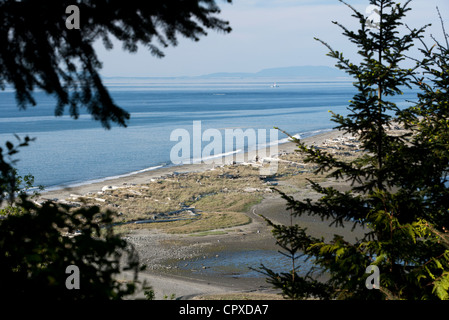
274, 85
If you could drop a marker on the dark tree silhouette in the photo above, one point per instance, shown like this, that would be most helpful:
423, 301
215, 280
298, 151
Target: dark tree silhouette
38, 245
38, 51
398, 187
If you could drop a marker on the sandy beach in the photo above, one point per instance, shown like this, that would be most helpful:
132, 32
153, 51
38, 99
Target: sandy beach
179, 264
145, 177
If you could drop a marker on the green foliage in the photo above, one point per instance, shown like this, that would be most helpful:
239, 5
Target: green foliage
23, 185
171, 297
149, 293
26, 183
399, 190
38, 245
8, 175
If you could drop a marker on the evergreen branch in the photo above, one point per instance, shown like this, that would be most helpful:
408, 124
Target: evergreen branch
356, 13
398, 180
445, 35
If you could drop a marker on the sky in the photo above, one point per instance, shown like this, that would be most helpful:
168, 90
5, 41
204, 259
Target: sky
266, 34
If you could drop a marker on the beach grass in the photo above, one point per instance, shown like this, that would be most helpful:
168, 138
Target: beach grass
209, 223
212, 199
174, 192
199, 202
241, 296
228, 202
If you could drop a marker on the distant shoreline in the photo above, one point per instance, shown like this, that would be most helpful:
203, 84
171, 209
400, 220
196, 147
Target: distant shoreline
294, 72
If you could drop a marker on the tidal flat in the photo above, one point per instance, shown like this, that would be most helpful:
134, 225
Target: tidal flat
193, 225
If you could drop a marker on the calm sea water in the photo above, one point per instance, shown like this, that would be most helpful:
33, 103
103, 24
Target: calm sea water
68, 152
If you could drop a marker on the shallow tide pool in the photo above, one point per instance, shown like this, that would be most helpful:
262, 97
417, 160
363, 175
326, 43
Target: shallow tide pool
238, 263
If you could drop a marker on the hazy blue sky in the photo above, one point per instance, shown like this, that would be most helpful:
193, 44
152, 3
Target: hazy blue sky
266, 34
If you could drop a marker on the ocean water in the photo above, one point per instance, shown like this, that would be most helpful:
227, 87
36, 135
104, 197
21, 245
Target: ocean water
68, 152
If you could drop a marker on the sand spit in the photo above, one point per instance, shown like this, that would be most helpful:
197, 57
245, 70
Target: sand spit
213, 209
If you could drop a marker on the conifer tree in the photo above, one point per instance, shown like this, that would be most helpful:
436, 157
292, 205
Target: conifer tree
38, 51
398, 189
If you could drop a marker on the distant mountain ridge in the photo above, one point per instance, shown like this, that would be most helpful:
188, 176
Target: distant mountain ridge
284, 72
